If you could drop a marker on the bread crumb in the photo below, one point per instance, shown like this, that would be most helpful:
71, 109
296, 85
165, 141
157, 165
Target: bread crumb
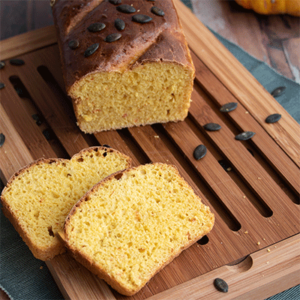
246, 232
258, 178
244, 196
264, 239
268, 262
258, 243
228, 169
156, 136
246, 112
269, 250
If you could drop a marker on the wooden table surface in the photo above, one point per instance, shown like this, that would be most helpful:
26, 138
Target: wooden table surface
272, 39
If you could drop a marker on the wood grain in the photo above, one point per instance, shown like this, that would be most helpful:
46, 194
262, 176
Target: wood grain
245, 122
244, 225
27, 42
78, 278
239, 81
250, 279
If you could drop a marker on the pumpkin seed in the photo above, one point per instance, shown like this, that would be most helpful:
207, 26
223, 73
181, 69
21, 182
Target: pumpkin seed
2, 139
119, 24
212, 127
91, 50
73, 44
48, 134
17, 62
157, 11
125, 8
115, 1
278, 91
2, 85
20, 92
228, 107
199, 152
244, 136
113, 37
37, 119
273, 118
225, 165
141, 19
221, 285
96, 27
2, 64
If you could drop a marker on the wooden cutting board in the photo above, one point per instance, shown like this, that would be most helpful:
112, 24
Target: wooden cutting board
252, 186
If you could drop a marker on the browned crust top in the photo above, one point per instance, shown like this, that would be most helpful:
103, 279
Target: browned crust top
161, 39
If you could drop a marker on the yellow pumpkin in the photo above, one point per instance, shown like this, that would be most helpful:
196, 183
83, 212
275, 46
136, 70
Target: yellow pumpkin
268, 7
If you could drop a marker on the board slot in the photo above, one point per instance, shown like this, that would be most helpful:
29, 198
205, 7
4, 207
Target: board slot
244, 121
173, 153
253, 174
229, 169
204, 240
212, 114
228, 70
134, 146
53, 106
56, 89
23, 123
36, 115
14, 152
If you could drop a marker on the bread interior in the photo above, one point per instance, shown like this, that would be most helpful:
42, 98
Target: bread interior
147, 94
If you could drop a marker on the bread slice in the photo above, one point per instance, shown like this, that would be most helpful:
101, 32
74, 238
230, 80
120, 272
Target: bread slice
38, 198
133, 223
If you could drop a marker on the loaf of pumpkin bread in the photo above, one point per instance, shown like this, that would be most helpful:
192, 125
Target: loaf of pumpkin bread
38, 198
133, 223
124, 62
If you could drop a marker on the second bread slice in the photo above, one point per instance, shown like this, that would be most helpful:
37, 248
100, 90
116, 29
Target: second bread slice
133, 223
38, 198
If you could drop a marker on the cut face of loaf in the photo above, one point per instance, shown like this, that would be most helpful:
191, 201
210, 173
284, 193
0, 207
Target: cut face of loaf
144, 77
38, 198
133, 223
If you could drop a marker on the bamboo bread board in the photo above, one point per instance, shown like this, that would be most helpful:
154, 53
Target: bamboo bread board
252, 187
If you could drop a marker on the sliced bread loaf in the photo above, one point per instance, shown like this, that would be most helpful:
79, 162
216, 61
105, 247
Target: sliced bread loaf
133, 223
38, 198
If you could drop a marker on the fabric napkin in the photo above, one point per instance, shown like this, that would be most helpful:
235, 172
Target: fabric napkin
25, 278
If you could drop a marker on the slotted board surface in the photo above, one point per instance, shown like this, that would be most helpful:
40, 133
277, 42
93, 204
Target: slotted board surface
254, 200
